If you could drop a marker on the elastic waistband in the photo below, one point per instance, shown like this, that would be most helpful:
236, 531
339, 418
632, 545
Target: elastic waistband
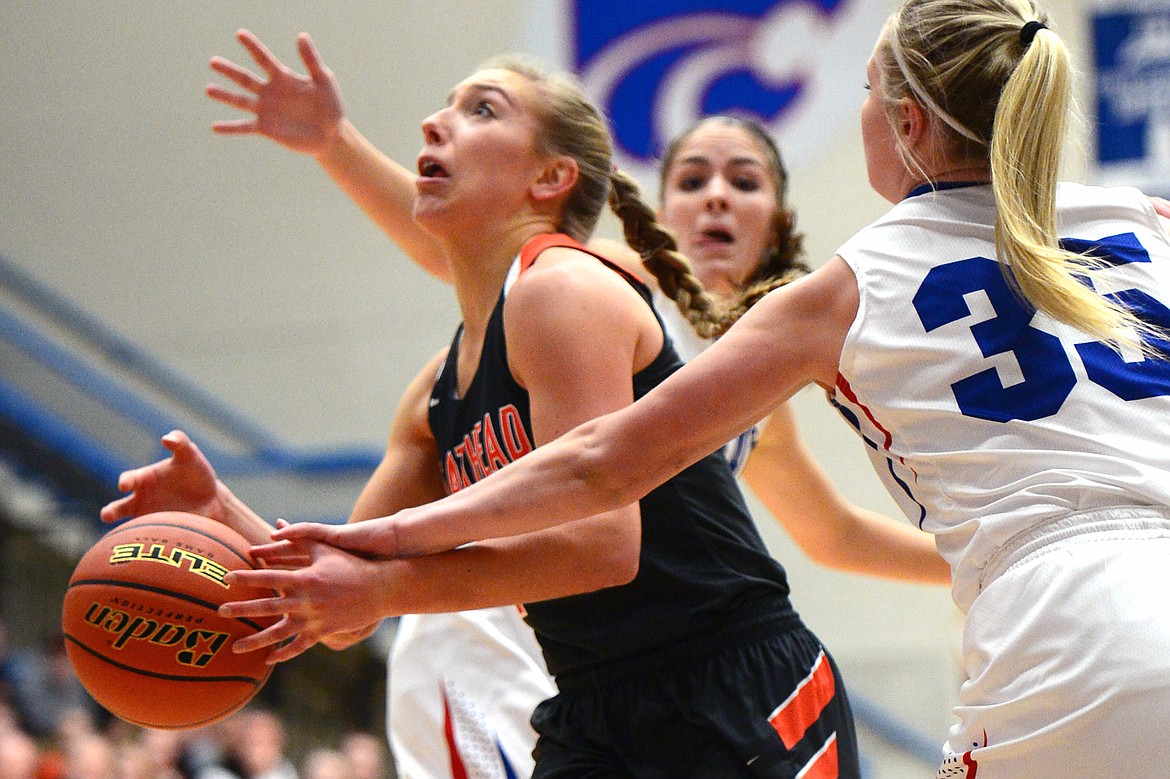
763, 618
1118, 522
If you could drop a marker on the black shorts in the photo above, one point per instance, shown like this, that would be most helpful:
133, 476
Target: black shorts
770, 705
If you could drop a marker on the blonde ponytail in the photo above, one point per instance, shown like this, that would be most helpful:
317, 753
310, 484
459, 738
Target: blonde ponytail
1031, 122
1003, 90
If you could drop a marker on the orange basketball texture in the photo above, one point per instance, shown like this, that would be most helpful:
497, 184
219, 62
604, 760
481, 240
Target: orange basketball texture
141, 625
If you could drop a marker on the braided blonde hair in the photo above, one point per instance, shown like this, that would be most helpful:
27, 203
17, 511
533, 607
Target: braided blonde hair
660, 255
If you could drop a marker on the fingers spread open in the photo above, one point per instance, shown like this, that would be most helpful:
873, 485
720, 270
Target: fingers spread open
295, 647
238, 127
128, 480
312, 59
234, 99
281, 554
118, 509
177, 440
257, 607
259, 577
241, 76
264, 58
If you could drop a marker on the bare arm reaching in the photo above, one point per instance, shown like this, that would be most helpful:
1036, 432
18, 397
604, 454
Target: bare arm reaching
793, 486
616, 459
553, 352
305, 114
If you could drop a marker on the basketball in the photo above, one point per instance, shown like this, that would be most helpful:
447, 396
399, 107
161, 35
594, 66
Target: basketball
141, 626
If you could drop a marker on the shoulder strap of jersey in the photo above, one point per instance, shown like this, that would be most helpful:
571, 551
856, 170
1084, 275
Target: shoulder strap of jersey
538, 244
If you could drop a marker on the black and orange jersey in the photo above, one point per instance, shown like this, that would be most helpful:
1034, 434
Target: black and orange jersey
702, 562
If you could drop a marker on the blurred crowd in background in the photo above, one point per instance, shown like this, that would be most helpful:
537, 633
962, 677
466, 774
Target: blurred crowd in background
50, 728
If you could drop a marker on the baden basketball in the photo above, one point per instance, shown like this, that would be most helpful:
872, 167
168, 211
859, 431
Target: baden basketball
141, 625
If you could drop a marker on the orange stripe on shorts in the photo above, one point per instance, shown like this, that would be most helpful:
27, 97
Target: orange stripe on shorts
823, 764
793, 717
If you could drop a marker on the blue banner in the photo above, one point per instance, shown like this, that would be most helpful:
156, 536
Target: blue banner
656, 66
1131, 57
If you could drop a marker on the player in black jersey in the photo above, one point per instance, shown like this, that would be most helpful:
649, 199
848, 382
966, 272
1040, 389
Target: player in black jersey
724, 196
963, 131
666, 622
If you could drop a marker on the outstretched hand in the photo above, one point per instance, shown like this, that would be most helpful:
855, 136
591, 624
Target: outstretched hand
371, 539
302, 113
332, 600
185, 481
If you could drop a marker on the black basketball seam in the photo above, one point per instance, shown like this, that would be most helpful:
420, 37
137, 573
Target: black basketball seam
197, 531
162, 591
166, 677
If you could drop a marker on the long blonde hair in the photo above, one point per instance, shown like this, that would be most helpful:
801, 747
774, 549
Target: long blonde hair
1004, 97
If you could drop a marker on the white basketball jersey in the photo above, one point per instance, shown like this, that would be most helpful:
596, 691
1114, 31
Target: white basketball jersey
981, 416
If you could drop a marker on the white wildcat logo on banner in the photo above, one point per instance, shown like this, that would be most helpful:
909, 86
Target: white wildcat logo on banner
655, 67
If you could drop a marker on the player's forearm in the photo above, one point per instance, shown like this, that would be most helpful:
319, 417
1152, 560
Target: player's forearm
581, 557
384, 190
603, 464
881, 546
836, 534
556, 483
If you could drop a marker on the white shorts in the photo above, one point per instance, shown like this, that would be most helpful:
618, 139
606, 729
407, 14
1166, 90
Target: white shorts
1067, 654
462, 688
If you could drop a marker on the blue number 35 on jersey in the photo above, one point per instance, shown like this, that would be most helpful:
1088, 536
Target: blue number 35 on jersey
1045, 364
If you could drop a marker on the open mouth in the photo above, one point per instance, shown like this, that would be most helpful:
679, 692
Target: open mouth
718, 235
431, 168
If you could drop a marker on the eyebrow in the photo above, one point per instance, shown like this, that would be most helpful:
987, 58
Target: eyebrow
698, 159
480, 88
